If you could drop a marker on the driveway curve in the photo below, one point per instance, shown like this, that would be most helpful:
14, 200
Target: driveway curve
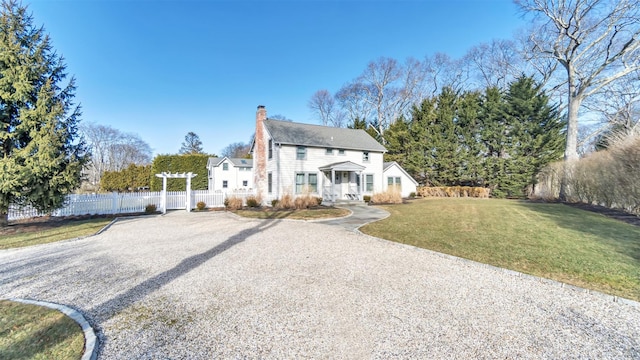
210, 285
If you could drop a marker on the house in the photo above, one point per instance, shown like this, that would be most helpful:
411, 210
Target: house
336, 164
397, 177
230, 174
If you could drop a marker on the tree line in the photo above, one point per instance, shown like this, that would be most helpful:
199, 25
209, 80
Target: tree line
498, 139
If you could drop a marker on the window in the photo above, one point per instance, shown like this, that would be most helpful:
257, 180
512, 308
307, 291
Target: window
225, 184
313, 183
270, 183
369, 182
299, 183
301, 153
306, 182
394, 182
341, 152
365, 156
270, 149
245, 183
225, 166
329, 151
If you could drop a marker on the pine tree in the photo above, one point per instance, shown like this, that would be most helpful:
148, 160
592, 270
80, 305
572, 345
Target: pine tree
191, 144
41, 155
537, 133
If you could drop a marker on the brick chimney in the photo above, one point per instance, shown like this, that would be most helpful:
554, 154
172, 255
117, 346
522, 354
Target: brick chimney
260, 154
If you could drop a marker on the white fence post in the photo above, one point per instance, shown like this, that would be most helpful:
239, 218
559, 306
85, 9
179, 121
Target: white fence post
114, 202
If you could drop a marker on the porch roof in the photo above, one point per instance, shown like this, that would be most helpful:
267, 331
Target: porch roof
343, 166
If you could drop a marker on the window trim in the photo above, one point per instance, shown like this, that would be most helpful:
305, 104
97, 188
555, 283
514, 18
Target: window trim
366, 182
225, 166
301, 153
305, 186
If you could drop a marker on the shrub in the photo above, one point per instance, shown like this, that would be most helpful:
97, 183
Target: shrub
233, 203
305, 202
150, 209
253, 202
274, 203
201, 205
454, 191
318, 201
286, 202
412, 195
366, 198
387, 197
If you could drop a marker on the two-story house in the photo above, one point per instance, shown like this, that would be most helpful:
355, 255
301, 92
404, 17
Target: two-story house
230, 174
333, 163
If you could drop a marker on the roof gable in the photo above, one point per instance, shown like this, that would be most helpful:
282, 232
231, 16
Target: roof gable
237, 162
290, 133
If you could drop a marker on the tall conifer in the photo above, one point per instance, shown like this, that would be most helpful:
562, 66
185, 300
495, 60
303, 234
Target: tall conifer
41, 157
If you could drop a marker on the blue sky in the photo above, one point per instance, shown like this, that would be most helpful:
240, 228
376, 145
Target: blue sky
163, 68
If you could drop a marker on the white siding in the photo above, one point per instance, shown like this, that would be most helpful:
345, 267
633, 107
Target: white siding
284, 170
234, 177
408, 185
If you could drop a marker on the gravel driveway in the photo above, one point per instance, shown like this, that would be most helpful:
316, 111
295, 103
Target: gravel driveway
210, 285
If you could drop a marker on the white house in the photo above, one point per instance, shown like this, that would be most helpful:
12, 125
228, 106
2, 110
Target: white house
230, 174
397, 177
336, 164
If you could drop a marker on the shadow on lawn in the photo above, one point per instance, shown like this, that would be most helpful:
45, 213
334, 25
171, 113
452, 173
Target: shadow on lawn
124, 300
623, 238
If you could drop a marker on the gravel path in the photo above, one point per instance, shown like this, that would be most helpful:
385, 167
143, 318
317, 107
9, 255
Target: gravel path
209, 285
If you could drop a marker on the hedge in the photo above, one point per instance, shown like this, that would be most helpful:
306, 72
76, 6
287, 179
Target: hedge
195, 163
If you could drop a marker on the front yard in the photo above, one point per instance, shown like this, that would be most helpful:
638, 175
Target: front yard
549, 240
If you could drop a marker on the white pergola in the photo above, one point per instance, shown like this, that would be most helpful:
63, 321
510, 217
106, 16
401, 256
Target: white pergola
165, 176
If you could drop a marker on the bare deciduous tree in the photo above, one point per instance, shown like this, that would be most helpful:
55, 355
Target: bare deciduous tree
112, 150
494, 64
324, 107
236, 150
596, 43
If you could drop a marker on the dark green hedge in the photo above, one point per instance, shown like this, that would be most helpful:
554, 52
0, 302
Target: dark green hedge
133, 178
195, 163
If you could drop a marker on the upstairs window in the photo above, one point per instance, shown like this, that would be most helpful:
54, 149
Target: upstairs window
270, 149
329, 151
365, 156
341, 152
301, 153
225, 184
225, 166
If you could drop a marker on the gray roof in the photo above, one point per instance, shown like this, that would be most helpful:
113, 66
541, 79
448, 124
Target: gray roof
237, 162
290, 133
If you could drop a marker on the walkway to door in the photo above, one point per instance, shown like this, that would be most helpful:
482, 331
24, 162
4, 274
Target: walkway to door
361, 215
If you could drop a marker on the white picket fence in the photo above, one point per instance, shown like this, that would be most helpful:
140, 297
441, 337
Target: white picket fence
126, 203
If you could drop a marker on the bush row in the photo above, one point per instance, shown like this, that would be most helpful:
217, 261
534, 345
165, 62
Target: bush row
607, 178
454, 191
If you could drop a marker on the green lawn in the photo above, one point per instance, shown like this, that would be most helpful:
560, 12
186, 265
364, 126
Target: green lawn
69, 230
549, 240
34, 332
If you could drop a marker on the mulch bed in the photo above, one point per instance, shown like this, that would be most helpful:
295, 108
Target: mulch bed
615, 214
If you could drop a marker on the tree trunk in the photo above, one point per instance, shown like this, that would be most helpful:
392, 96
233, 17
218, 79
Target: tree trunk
4, 218
571, 147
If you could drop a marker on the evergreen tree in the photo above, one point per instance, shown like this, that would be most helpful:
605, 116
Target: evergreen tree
472, 151
537, 133
493, 134
191, 144
443, 134
41, 155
